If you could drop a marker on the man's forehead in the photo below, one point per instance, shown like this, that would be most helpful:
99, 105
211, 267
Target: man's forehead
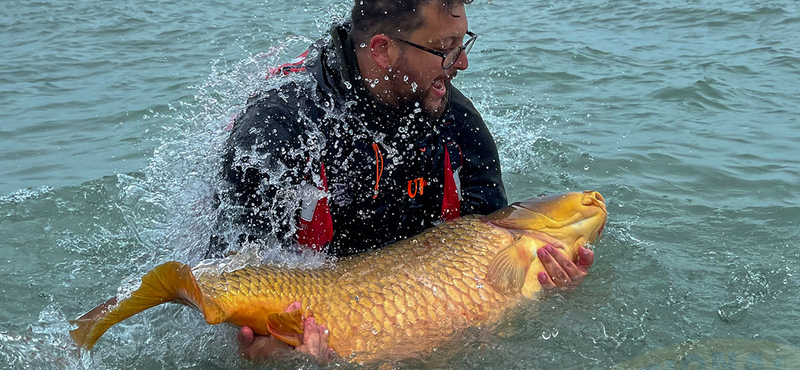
443, 23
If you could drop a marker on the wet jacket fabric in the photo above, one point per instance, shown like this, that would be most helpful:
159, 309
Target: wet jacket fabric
321, 163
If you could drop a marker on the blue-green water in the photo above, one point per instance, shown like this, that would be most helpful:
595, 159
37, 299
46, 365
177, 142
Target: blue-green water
684, 114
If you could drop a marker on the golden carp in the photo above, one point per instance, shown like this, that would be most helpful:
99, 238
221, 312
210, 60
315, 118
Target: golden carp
388, 302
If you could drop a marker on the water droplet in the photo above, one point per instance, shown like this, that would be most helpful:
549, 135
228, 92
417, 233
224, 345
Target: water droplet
374, 331
414, 86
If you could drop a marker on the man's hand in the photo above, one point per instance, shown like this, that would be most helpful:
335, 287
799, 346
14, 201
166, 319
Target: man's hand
561, 272
256, 347
315, 341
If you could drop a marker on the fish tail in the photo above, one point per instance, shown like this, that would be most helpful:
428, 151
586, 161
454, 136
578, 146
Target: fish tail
169, 282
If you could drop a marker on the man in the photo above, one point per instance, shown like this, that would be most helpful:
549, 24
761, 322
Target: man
367, 144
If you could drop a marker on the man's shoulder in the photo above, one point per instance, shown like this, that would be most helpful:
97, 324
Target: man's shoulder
271, 118
292, 92
461, 105
462, 114
281, 104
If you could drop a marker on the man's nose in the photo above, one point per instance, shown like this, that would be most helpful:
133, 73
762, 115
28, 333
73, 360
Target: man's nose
462, 62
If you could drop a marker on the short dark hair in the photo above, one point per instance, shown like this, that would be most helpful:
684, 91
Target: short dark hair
392, 17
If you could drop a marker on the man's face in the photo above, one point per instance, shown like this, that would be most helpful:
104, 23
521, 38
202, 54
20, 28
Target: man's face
417, 78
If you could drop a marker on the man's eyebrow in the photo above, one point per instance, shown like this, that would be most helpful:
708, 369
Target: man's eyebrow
448, 39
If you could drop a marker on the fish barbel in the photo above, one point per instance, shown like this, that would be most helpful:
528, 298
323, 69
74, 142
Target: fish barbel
388, 302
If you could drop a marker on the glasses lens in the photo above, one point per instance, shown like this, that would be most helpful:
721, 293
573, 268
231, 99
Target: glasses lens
468, 44
451, 57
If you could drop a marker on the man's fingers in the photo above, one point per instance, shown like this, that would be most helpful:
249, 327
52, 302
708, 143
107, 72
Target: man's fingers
311, 337
544, 279
245, 336
568, 266
258, 347
585, 259
315, 340
292, 307
554, 270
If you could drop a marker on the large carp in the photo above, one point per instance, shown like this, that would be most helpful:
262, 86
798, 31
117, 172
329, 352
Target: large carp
389, 302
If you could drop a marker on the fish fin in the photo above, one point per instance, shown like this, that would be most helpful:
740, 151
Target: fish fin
86, 322
287, 326
507, 271
168, 282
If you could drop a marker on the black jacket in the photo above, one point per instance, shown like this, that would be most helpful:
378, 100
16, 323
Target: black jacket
382, 171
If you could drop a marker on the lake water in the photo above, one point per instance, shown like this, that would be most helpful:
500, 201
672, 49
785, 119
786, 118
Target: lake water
683, 114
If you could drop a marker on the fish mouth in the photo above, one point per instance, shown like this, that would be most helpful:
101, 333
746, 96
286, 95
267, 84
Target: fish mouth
593, 198
573, 218
589, 199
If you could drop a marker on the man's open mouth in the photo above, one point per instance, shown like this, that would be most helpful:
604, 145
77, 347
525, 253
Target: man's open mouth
439, 87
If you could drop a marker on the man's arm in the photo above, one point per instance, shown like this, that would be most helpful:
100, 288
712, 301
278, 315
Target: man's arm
265, 166
482, 189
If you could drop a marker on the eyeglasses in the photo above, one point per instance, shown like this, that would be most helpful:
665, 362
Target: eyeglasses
450, 57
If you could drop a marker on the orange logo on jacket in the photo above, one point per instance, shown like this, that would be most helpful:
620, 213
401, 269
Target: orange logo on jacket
416, 186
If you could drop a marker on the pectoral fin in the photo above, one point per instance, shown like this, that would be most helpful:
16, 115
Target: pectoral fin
507, 271
287, 326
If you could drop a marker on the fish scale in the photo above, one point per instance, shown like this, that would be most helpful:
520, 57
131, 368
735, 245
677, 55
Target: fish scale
385, 304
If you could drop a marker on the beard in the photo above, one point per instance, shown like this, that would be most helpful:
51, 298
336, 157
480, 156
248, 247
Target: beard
414, 97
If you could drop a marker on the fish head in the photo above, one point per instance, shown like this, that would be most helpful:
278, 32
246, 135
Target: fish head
566, 221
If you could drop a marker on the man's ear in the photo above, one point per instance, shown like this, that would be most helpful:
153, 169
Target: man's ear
381, 51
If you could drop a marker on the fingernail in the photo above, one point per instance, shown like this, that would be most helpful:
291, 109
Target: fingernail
542, 253
542, 277
549, 248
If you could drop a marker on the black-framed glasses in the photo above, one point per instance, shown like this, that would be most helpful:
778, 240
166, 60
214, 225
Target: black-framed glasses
450, 57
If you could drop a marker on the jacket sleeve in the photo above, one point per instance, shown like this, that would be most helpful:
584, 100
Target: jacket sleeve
264, 166
482, 188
